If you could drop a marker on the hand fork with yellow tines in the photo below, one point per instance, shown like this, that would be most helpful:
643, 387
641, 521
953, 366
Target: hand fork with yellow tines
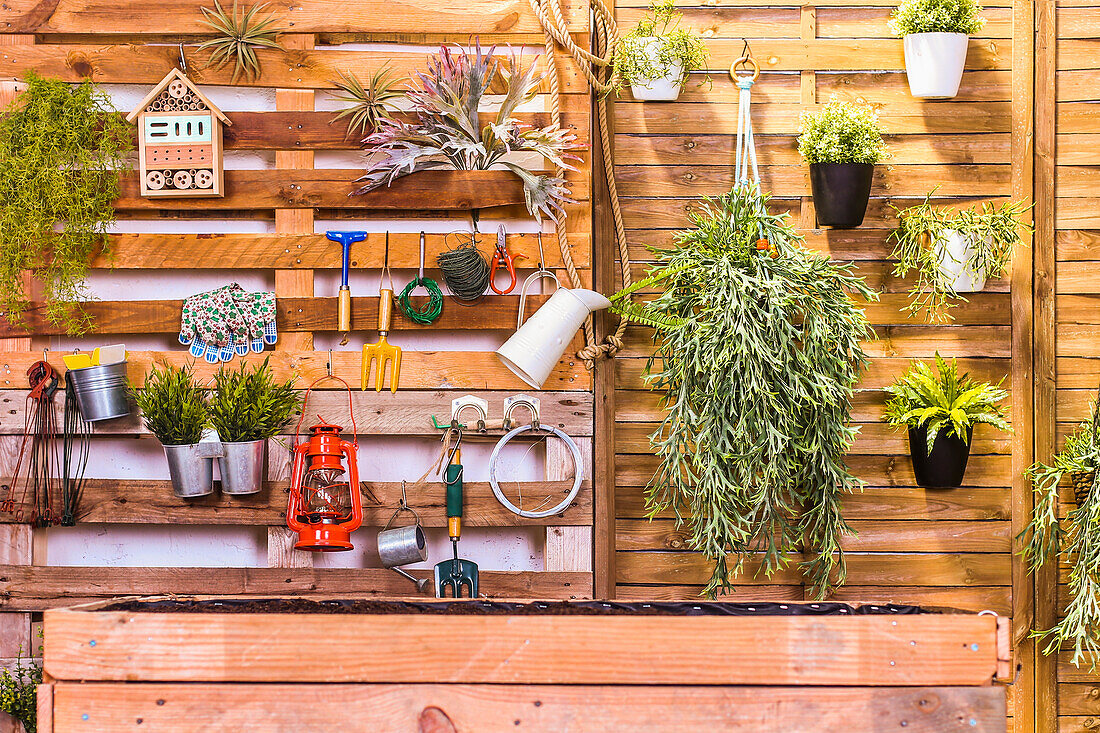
383, 351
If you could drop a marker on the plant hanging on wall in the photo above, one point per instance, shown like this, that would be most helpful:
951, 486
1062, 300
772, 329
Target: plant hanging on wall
1072, 540
656, 55
250, 404
61, 150
369, 103
451, 131
240, 34
758, 353
935, 36
19, 691
953, 251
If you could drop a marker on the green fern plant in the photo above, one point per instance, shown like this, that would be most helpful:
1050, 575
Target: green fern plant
173, 405
239, 35
944, 401
249, 404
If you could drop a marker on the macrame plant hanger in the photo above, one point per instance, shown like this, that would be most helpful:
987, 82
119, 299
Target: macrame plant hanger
744, 72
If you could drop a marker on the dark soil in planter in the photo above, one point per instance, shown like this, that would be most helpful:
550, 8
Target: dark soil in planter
840, 193
945, 466
480, 607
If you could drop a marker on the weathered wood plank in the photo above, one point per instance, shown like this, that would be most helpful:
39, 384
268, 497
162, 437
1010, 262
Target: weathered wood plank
112, 707
851, 651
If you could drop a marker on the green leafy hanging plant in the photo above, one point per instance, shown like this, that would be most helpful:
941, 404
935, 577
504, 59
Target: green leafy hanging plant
249, 404
656, 44
757, 355
61, 150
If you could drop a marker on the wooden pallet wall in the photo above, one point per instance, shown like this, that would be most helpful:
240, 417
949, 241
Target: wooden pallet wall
136, 43
934, 548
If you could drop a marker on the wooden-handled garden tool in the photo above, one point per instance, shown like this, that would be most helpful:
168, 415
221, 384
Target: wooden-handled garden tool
343, 312
381, 352
455, 573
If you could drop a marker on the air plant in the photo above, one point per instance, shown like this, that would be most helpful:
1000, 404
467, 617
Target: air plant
449, 132
240, 36
370, 104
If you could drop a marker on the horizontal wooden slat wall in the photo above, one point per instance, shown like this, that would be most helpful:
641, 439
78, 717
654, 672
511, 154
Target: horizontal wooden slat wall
135, 43
935, 548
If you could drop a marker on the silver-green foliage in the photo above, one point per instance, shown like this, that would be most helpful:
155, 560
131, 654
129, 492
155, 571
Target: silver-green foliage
757, 354
841, 132
173, 405
634, 63
943, 401
937, 16
1073, 540
250, 404
993, 232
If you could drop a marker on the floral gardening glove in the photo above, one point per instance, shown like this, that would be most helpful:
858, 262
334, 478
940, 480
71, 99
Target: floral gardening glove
225, 322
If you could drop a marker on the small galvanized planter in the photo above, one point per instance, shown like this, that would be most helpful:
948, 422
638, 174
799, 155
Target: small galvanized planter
192, 468
100, 391
242, 467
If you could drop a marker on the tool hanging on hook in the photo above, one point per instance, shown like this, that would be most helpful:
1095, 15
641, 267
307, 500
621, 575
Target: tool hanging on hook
502, 257
343, 310
382, 351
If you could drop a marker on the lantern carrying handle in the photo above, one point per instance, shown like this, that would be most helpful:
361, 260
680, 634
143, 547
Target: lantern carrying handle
351, 408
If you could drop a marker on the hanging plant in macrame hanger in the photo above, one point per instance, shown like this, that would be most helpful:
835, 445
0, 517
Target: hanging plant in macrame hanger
757, 356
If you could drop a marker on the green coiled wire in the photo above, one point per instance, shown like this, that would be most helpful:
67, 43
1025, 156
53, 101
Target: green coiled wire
431, 310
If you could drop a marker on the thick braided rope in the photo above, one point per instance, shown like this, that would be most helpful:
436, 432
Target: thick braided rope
602, 80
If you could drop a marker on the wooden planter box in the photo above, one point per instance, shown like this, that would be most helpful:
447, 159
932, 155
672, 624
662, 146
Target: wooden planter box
155, 671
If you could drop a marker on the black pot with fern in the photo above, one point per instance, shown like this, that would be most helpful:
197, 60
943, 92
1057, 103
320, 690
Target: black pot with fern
940, 409
248, 406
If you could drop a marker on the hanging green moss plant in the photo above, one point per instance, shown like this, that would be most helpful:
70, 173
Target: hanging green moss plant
757, 355
61, 149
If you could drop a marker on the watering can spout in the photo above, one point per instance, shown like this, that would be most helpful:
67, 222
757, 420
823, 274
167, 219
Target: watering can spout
533, 350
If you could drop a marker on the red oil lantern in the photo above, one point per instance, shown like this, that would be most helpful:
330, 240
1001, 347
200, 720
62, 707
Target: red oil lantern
324, 507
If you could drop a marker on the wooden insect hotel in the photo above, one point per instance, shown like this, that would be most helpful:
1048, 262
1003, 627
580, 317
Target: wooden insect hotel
179, 140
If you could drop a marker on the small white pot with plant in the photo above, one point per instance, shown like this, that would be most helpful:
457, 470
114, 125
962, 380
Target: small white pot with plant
935, 34
655, 57
841, 142
953, 251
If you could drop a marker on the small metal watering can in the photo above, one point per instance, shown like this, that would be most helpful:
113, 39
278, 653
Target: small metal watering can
403, 545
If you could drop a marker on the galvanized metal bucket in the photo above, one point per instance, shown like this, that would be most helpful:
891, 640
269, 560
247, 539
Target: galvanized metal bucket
100, 391
242, 467
402, 546
192, 468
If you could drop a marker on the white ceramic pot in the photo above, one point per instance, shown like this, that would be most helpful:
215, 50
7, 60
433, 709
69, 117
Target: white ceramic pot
665, 88
934, 63
954, 250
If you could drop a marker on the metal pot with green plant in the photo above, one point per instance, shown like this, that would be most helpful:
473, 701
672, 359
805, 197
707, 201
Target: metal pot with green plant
953, 251
657, 55
935, 35
841, 142
1072, 539
247, 407
940, 410
175, 410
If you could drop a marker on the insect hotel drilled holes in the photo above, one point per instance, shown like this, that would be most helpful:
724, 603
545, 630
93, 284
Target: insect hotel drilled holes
179, 140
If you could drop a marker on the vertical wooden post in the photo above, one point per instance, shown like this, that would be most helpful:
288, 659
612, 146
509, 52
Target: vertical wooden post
569, 548
807, 31
1035, 599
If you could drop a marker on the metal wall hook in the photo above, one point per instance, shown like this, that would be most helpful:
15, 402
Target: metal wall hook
533, 405
183, 60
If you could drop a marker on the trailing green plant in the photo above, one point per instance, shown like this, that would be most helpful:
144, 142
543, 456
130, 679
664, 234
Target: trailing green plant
451, 132
841, 132
1073, 540
173, 405
370, 103
943, 401
757, 355
61, 150
19, 691
655, 44
937, 16
922, 234
239, 35
249, 404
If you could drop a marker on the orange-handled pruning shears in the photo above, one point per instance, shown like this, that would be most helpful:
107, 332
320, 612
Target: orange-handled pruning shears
502, 256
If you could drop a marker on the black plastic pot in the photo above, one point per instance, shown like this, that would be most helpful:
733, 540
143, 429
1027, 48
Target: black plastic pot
840, 193
945, 466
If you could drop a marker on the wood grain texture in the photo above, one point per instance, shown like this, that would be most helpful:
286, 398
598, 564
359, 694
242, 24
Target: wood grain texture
846, 651
114, 707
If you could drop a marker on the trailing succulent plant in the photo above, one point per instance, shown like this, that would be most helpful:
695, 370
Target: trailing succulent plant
943, 401
937, 16
370, 103
655, 44
452, 132
239, 35
1072, 540
250, 404
993, 232
757, 355
61, 149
